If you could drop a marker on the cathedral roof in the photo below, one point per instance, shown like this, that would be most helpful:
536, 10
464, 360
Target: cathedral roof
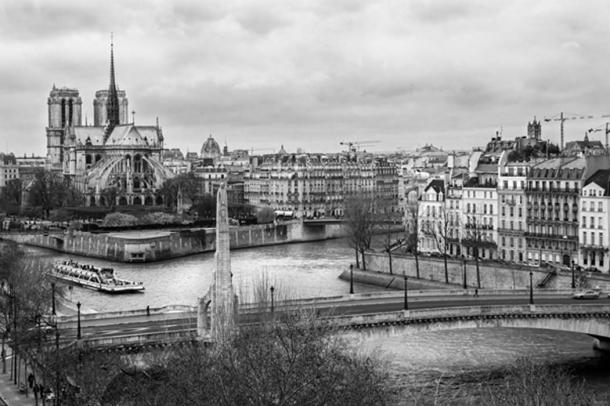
94, 134
210, 148
132, 135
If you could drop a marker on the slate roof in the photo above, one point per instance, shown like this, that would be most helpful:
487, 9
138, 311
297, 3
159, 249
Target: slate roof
601, 179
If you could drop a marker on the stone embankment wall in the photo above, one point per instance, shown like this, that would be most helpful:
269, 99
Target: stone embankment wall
493, 275
173, 244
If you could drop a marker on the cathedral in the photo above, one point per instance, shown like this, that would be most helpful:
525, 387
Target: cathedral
111, 159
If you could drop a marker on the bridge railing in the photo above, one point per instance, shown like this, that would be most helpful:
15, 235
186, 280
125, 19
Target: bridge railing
439, 294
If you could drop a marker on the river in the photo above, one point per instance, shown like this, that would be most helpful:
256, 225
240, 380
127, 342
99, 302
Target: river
461, 358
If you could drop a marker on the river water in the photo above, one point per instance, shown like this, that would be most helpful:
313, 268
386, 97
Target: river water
460, 358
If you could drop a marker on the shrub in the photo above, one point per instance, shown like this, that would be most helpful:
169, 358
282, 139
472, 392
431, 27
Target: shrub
119, 220
159, 217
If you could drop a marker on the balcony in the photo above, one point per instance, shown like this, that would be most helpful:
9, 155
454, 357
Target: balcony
553, 237
593, 247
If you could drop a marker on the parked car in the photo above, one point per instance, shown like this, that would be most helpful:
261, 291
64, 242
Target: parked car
586, 294
592, 269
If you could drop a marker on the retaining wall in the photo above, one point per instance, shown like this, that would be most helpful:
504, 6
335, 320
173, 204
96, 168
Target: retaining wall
493, 275
174, 243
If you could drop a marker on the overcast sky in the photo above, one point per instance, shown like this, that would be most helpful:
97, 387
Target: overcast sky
311, 73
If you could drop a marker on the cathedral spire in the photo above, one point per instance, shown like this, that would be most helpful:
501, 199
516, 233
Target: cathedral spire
112, 104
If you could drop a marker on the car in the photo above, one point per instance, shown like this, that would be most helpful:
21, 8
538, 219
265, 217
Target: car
586, 294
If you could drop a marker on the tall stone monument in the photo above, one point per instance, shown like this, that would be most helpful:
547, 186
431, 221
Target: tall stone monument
221, 296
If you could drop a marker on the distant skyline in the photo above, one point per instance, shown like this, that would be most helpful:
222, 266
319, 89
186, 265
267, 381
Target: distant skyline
312, 73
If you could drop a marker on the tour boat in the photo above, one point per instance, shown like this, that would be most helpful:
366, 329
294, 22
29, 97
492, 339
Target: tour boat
88, 276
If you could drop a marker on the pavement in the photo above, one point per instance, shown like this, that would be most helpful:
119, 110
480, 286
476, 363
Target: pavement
10, 395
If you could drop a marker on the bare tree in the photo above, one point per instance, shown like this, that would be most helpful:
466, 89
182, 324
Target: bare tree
438, 231
47, 190
361, 222
412, 231
291, 359
387, 219
476, 240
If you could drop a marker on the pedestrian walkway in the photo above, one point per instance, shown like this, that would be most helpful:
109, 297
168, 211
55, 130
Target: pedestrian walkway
10, 395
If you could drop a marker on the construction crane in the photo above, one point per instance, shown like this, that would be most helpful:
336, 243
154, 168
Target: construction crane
570, 116
353, 146
607, 131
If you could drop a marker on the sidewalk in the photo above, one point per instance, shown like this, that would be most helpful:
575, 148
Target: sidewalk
10, 396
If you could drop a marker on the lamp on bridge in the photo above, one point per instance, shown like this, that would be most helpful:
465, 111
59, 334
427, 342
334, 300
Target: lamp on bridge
78, 336
351, 279
271, 289
406, 297
53, 298
573, 277
531, 289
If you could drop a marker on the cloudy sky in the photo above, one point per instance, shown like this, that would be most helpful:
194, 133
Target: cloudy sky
311, 73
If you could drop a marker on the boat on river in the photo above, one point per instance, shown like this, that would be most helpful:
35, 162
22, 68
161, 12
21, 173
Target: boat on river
89, 276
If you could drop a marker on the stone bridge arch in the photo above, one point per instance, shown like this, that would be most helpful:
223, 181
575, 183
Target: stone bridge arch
593, 320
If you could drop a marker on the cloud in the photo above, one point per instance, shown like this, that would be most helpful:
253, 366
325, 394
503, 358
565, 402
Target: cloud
309, 72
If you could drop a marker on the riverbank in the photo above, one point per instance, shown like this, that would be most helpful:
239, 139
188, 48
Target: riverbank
157, 245
392, 281
490, 274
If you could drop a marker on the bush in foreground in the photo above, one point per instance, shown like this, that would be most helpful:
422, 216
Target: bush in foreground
292, 360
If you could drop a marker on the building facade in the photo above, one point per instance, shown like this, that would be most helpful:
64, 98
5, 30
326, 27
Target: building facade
594, 222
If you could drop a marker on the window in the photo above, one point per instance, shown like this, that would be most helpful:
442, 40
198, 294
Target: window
584, 238
600, 206
584, 222
592, 205
599, 222
601, 238
592, 238
503, 210
491, 209
592, 224
520, 211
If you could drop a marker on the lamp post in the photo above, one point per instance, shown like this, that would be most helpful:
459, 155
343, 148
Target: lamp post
57, 368
53, 298
531, 289
78, 336
406, 306
573, 277
272, 289
464, 282
351, 279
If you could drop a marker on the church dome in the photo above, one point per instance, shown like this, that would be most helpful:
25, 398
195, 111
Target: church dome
210, 149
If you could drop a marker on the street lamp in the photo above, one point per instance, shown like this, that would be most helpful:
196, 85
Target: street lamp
53, 298
531, 289
272, 289
57, 368
78, 336
351, 279
464, 283
406, 297
573, 277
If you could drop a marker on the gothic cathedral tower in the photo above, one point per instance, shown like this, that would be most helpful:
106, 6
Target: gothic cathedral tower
64, 111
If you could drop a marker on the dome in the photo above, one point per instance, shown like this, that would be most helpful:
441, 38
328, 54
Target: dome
210, 149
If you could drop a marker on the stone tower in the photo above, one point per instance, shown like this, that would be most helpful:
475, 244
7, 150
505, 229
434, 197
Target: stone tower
221, 295
65, 110
534, 130
100, 114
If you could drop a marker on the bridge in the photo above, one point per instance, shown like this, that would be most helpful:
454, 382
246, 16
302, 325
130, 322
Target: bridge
427, 310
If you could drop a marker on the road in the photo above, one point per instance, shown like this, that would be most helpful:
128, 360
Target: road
181, 321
